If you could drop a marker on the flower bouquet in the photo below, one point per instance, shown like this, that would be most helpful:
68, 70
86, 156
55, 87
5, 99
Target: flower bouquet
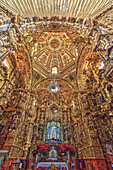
34, 151
69, 149
110, 150
51, 167
43, 149
61, 150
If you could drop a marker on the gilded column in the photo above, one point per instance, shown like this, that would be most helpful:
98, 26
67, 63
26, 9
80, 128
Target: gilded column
29, 136
61, 126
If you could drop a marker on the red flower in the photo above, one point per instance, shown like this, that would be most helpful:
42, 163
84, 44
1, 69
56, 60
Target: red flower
110, 150
63, 149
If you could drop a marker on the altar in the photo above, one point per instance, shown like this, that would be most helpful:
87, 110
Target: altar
57, 164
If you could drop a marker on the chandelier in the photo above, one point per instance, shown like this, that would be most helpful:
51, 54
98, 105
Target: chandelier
53, 87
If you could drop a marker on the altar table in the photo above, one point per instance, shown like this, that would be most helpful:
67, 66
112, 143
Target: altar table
57, 164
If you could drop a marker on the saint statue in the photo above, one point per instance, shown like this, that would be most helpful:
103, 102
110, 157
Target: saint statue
53, 133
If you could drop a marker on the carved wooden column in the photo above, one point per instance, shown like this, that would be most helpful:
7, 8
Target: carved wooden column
61, 126
38, 117
45, 116
30, 133
15, 150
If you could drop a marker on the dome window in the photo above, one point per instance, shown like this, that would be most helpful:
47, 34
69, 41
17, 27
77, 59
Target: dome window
54, 70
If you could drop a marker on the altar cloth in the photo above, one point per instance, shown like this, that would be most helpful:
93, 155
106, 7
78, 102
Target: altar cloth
57, 164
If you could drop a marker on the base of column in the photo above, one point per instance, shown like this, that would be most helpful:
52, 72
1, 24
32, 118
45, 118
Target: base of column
93, 163
15, 161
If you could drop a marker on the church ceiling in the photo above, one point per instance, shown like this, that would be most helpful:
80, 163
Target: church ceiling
71, 8
55, 49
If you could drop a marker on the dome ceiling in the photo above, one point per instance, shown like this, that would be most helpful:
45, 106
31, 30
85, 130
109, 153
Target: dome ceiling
68, 8
55, 49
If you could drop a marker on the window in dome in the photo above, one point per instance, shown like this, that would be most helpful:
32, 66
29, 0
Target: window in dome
5, 63
102, 65
53, 110
54, 70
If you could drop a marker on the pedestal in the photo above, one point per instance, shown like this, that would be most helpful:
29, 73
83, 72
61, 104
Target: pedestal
3, 157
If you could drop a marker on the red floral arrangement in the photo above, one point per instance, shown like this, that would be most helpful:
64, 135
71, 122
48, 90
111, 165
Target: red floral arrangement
68, 147
65, 148
110, 150
34, 151
44, 149
60, 149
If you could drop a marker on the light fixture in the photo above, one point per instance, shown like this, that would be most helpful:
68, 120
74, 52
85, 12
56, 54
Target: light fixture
53, 86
